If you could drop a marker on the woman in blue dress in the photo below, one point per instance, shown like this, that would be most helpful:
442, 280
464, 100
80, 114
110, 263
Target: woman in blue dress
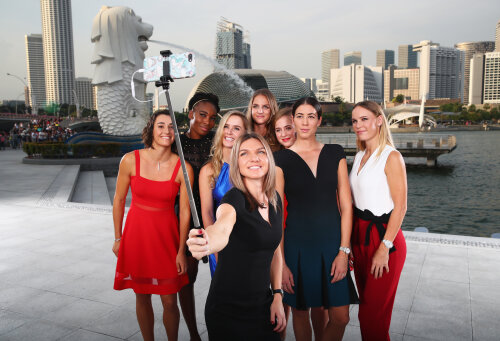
214, 176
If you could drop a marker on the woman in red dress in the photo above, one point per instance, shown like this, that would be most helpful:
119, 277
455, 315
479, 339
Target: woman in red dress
151, 251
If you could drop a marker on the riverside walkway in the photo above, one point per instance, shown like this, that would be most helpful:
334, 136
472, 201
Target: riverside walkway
57, 268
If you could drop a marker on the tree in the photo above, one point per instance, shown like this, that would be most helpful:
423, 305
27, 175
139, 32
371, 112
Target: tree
472, 108
495, 113
398, 99
338, 99
486, 106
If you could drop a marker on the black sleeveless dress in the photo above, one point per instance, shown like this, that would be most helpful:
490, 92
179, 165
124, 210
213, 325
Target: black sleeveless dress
312, 234
239, 299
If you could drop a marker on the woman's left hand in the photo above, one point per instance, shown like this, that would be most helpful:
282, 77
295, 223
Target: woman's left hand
339, 267
278, 313
380, 261
181, 263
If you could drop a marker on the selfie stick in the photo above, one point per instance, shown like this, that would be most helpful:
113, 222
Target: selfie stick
164, 82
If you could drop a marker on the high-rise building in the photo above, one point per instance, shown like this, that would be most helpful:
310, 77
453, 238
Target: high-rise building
311, 84
353, 57
470, 48
59, 61
404, 82
441, 70
497, 37
476, 89
84, 92
231, 49
35, 71
492, 78
357, 83
407, 58
330, 59
385, 58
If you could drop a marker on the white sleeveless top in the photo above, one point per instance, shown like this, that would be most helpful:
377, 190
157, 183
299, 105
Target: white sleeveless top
370, 190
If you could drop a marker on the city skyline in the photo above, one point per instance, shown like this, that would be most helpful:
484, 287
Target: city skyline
291, 41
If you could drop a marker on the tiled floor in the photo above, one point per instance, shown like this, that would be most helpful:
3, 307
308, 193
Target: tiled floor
56, 275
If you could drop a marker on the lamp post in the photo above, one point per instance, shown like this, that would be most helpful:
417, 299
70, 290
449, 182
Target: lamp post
33, 106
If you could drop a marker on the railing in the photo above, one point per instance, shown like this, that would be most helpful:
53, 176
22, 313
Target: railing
410, 141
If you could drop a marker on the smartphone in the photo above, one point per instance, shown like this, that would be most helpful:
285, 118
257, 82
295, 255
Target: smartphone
181, 66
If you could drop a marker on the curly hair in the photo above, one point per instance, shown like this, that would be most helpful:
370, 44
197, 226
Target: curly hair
147, 132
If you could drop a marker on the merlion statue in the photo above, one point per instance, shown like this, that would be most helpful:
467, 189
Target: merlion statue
120, 41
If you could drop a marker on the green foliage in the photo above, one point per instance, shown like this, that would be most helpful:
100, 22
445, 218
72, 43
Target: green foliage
472, 108
61, 150
338, 99
486, 106
398, 99
495, 113
51, 108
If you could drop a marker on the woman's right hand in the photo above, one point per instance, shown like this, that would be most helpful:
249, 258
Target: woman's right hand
287, 280
198, 243
116, 247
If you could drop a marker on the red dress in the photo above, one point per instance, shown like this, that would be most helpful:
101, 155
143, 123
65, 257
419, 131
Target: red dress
150, 240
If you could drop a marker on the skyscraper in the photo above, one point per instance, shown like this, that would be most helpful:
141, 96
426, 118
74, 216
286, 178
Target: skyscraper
385, 58
231, 49
407, 58
57, 31
330, 59
35, 70
497, 37
355, 83
476, 85
353, 57
84, 92
470, 48
492, 78
441, 70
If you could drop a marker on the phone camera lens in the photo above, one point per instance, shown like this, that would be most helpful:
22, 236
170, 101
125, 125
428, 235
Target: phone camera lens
190, 57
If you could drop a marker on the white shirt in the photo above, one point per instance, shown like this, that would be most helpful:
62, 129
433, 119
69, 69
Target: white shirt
369, 187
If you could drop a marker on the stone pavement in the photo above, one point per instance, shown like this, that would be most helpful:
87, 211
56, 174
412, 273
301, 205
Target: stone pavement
56, 272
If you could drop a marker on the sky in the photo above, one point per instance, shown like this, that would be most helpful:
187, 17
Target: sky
284, 35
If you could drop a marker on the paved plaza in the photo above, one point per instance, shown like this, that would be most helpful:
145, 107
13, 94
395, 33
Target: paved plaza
57, 270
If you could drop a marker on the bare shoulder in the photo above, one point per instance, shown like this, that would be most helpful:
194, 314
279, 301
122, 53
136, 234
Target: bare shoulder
395, 162
128, 161
206, 170
226, 211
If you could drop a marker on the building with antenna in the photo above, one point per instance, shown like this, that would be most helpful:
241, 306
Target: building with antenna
232, 48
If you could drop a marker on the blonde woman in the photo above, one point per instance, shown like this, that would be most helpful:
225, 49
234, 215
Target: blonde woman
378, 183
246, 234
260, 112
214, 176
283, 128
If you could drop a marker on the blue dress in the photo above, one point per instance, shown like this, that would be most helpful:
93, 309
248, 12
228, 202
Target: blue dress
222, 185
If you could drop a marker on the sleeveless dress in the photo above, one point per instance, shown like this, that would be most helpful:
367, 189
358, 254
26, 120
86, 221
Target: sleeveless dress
312, 234
222, 185
150, 241
239, 300
373, 205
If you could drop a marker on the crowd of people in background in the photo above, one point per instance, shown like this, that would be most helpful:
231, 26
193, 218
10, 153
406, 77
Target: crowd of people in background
35, 130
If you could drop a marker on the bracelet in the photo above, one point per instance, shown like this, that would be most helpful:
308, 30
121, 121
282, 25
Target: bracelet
118, 239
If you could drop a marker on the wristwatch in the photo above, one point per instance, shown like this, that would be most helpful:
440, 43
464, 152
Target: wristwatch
346, 250
277, 291
388, 244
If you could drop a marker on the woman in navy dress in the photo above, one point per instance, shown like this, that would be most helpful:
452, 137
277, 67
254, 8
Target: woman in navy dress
314, 179
214, 176
247, 233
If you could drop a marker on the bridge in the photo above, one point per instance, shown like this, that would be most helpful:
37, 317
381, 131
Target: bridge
429, 146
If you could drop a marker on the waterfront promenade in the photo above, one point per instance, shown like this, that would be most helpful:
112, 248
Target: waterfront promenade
56, 272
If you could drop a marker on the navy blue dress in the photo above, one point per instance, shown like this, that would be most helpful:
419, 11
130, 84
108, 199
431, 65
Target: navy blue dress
312, 234
222, 185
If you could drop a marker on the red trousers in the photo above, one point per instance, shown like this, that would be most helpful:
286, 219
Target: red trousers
376, 296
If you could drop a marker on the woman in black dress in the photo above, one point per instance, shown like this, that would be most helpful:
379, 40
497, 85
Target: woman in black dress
240, 303
314, 179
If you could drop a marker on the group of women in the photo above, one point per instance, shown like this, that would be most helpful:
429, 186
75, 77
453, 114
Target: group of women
283, 220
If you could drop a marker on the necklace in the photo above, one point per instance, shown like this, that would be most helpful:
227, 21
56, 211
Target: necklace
158, 166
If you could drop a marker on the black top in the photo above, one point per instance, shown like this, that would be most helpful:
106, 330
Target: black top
196, 152
242, 278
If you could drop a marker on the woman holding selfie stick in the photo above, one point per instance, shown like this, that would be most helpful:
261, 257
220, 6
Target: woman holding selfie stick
151, 250
318, 228
378, 182
246, 234
214, 176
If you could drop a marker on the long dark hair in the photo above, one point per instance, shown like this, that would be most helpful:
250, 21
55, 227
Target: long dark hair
307, 100
147, 132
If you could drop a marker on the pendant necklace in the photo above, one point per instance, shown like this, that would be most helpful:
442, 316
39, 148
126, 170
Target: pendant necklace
158, 166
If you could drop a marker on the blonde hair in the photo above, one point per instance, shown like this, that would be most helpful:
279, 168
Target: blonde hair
384, 134
216, 151
269, 185
270, 135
